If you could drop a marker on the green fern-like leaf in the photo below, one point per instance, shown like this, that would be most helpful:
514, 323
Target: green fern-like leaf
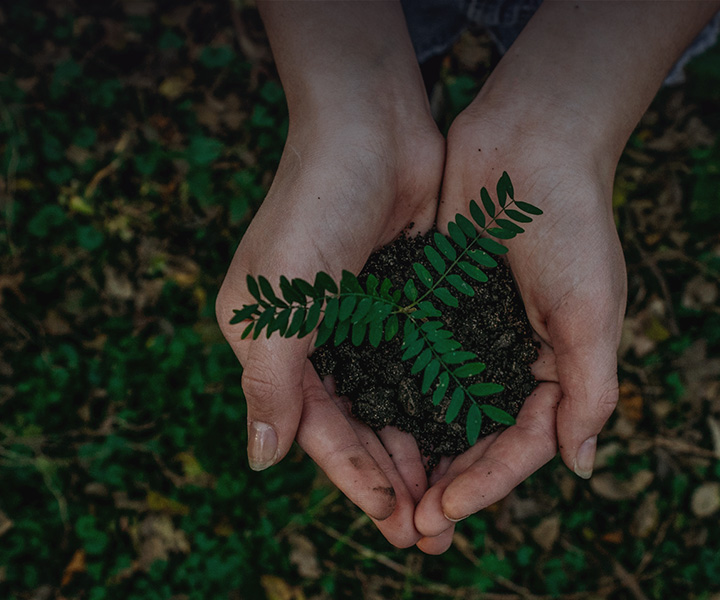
497, 414
447, 249
435, 259
444, 295
431, 372
456, 402
441, 388
473, 424
423, 274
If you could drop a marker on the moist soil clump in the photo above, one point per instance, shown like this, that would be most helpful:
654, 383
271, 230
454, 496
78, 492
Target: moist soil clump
380, 385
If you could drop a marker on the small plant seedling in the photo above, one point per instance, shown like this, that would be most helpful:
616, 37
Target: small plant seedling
377, 313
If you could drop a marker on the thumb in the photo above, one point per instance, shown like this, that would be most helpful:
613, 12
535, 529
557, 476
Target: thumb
271, 381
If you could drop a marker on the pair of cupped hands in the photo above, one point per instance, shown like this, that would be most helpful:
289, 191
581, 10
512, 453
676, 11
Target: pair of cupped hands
351, 179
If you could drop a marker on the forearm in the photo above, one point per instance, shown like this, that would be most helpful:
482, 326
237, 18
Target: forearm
587, 71
334, 55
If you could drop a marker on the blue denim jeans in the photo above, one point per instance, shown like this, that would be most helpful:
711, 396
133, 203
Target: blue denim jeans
436, 24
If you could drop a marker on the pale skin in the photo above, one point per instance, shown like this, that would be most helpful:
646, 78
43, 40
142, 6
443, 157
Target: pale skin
364, 159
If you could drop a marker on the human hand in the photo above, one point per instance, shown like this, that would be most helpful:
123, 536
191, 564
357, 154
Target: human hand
345, 186
570, 271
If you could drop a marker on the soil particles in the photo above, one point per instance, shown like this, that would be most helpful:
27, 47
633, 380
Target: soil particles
382, 390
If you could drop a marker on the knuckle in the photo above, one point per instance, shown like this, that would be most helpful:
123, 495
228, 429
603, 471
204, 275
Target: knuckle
260, 387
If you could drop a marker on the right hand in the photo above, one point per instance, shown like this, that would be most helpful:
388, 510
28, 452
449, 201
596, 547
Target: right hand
345, 186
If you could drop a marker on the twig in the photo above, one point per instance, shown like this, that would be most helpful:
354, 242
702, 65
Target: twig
650, 553
627, 579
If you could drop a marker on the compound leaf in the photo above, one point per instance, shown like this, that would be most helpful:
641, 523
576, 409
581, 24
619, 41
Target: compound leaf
427, 309
291, 295
375, 333
460, 284
264, 320
444, 295
488, 204
473, 424
346, 307
324, 333
413, 349
457, 357
473, 271
482, 258
504, 188
441, 388
331, 312
492, 246
253, 288
371, 284
466, 225
392, 326
431, 372
485, 389
435, 259
421, 361
410, 290
477, 214
457, 235
349, 283
281, 322
528, 208
296, 322
443, 346
303, 287
363, 308
423, 274
341, 332
247, 330
358, 333
497, 414
245, 312
456, 402
385, 288
323, 283
516, 215
445, 246
509, 225
269, 293
469, 369
313, 316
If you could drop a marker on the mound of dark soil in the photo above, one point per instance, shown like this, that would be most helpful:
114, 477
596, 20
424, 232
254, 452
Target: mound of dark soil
383, 391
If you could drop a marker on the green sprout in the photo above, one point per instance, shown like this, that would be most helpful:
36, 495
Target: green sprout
377, 312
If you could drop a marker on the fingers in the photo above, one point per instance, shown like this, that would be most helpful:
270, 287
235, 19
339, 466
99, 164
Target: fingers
439, 543
586, 360
407, 460
491, 469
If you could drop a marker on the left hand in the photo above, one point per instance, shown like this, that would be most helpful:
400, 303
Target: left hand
570, 272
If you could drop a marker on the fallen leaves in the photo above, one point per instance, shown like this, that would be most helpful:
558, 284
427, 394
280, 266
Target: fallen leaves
609, 486
705, 500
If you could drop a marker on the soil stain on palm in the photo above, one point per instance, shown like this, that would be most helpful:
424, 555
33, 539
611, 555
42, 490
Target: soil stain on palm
380, 385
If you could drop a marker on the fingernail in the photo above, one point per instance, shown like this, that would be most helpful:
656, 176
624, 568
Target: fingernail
585, 458
262, 446
455, 520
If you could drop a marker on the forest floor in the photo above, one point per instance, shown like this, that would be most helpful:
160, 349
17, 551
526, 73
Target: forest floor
137, 139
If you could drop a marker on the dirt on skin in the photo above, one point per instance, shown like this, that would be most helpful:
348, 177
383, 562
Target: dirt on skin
384, 392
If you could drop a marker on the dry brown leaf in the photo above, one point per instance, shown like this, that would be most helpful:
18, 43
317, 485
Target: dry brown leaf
611, 488
75, 566
278, 589
163, 504
714, 427
706, 499
547, 532
6, 524
630, 404
118, 285
646, 516
156, 538
304, 556
700, 293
